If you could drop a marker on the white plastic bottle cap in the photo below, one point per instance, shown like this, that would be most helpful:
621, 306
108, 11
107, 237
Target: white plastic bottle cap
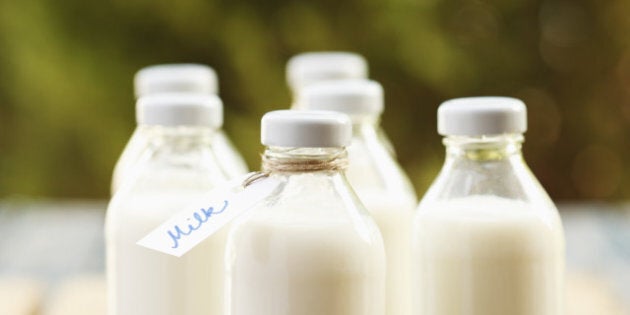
477, 116
307, 68
193, 78
352, 97
306, 129
180, 109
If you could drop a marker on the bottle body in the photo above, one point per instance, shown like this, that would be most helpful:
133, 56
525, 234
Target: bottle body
310, 248
231, 162
487, 238
143, 281
388, 195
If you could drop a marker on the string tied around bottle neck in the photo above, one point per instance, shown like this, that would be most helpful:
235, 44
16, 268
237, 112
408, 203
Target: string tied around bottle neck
337, 161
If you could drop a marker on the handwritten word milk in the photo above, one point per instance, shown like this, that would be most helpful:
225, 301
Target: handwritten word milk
169, 78
374, 174
310, 248
178, 168
487, 238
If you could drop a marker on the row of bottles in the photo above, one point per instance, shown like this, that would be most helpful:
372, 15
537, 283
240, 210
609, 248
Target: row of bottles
339, 235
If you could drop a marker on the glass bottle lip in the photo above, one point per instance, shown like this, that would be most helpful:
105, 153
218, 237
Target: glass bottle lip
483, 140
304, 153
180, 128
188, 136
483, 148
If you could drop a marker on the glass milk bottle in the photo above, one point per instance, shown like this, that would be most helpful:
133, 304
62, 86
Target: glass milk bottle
310, 248
178, 167
487, 238
168, 78
312, 67
378, 180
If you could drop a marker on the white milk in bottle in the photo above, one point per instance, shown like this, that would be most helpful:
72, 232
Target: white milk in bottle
487, 238
171, 78
310, 248
178, 168
373, 173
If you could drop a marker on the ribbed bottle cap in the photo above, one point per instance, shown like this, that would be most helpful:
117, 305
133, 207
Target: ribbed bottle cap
352, 97
305, 129
180, 109
477, 116
193, 78
307, 68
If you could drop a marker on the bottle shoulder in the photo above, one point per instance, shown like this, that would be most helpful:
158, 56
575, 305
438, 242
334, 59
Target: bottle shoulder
501, 190
228, 156
129, 157
509, 178
373, 171
153, 148
313, 202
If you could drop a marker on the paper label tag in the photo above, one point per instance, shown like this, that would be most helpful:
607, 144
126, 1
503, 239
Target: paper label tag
183, 231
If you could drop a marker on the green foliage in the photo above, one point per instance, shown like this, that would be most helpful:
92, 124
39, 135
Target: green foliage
66, 68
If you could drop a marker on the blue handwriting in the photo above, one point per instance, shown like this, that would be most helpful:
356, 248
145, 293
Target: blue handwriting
200, 217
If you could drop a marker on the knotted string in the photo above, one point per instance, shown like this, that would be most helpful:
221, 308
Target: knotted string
336, 162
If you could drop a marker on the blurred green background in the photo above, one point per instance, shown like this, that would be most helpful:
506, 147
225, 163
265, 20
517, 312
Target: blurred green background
66, 68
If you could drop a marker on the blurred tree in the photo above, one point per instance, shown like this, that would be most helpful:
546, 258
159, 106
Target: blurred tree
66, 68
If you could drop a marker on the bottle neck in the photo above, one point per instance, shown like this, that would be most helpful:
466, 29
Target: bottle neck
365, 126
300, 160
188, 147
360, 122
483, 148
179, 138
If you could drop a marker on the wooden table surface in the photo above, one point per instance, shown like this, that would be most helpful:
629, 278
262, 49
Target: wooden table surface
52, 258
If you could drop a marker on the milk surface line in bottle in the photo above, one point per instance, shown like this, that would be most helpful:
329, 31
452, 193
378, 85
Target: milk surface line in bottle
169, 78
310, 248
178, 168
488, 240
373, 173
